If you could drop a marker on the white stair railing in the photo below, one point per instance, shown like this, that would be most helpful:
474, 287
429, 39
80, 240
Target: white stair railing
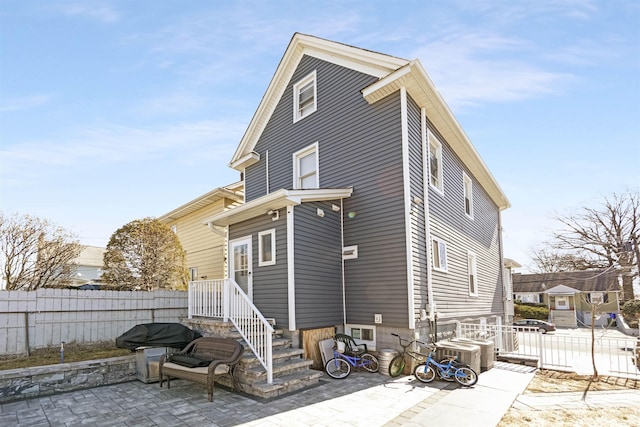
224, 298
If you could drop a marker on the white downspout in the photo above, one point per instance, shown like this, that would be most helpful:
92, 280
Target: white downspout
344, 290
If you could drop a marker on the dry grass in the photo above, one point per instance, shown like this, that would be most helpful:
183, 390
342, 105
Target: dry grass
72, 353
553, 382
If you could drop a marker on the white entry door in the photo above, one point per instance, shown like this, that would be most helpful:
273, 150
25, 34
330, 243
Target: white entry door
562, 303
240, 264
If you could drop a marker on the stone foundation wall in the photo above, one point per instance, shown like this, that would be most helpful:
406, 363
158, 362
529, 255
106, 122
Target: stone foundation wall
18, 384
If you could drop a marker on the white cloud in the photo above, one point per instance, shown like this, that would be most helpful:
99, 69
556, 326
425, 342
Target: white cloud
474, 67
112, 145
94, 10
23, 103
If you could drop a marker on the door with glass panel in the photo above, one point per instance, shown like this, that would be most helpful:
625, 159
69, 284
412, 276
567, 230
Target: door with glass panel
240, 264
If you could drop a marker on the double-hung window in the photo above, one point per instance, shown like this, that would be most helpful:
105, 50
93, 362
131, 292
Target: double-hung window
439, 249
305, 168
435, 163
473, 274
467, 186
305, 97
267, 247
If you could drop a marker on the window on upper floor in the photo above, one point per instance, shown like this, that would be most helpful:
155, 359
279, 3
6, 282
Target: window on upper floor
305, 168
193, 274
174, 228
305, 97
439, 249
267, 247
435, 163
467, 186
473, 274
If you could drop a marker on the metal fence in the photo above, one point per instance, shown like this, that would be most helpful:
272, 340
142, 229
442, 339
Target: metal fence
47, 317
614, 355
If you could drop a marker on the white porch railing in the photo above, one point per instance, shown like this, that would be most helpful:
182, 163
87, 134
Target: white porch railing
225, 299
613, 356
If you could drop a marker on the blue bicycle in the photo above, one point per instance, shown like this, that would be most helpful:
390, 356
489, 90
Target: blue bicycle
340, 366
447, 370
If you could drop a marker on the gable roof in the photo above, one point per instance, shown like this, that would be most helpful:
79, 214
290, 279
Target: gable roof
602, 280
393, 73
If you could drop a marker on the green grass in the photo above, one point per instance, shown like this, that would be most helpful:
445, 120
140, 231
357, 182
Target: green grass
72, 353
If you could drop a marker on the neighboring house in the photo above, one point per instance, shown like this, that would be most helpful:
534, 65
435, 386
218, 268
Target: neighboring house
571, 295
366, 206
205, 249
88, 268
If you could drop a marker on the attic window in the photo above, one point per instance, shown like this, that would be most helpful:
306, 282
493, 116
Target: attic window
435, 163
304, 97
467, 186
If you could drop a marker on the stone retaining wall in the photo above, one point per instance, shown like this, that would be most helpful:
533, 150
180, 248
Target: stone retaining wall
24, 383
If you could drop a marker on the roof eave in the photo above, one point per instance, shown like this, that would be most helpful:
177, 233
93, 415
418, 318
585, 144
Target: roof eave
275, 201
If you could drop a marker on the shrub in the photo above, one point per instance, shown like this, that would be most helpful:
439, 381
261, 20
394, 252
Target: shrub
531, 311
631, 312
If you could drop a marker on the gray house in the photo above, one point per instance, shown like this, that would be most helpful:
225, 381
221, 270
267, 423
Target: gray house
366, 207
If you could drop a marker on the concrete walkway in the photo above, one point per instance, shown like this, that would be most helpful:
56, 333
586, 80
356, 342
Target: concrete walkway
362, 399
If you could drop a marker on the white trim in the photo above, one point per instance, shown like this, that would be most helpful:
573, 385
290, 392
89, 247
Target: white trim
427, 226
406, 176
467, 187
441, 244
271, 232
472, 267
309, 78
246, 161
344, 292
291, 271
440, 175
313, 148
266, 169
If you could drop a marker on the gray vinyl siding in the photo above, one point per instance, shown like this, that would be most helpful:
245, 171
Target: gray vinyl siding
318, 266
480, 235
270, 283
359, 146
419, 249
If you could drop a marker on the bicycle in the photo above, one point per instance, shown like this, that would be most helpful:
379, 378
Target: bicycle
448, 370
339, 366
396, 367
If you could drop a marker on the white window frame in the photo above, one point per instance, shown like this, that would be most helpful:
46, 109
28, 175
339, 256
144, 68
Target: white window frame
435, 149
467, 189
261, 261
297, 113
349, 330
439, 251
297, 156
472, 273
193, 273
174, 228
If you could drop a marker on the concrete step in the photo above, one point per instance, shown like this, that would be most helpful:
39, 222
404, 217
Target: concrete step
284, 384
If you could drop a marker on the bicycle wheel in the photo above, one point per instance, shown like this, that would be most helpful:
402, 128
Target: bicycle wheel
424, 373
337, 368
369, 362
396, 366
466, 376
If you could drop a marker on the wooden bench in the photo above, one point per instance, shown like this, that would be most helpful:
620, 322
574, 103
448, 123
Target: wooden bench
224, 354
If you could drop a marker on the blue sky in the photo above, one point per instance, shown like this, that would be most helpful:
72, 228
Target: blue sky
112, 111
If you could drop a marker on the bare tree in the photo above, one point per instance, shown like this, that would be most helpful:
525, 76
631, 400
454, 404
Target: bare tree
550, 260
35, 253
144, 254
604, 236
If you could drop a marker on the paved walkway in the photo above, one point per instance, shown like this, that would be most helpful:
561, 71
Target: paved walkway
362, 399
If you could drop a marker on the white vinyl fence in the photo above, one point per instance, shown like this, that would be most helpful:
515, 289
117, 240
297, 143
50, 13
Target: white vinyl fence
47, 317
616, 356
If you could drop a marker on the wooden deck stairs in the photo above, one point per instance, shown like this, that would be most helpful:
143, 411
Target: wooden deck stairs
291, 371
